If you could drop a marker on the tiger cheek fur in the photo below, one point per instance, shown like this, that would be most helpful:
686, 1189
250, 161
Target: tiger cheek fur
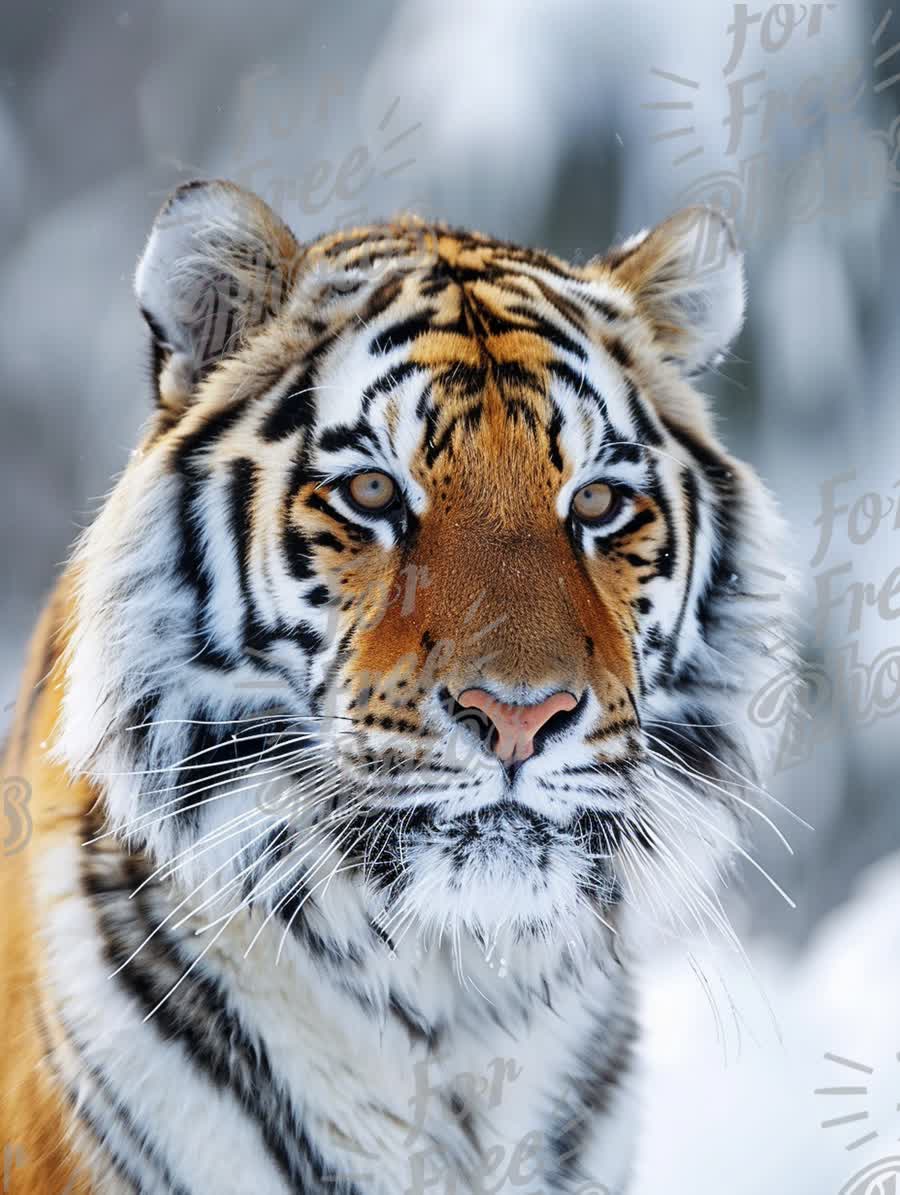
391, 703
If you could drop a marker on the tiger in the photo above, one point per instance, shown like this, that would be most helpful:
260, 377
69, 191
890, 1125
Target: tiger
394, 708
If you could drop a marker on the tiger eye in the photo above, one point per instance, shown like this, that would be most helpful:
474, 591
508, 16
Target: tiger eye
596, 502
372, 491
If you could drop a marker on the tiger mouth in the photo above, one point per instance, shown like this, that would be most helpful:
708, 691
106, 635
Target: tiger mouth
523, 837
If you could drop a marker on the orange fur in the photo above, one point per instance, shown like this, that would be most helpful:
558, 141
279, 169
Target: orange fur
39, 1157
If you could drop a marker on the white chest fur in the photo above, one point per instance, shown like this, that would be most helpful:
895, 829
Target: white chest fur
438, 1070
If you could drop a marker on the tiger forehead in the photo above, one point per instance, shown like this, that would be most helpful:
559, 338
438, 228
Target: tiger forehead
489, 401
490, 325
466, 308
469, 299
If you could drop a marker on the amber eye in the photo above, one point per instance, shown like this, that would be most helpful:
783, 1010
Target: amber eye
595, 503
372, 491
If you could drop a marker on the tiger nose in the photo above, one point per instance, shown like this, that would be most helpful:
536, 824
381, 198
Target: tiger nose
516, 725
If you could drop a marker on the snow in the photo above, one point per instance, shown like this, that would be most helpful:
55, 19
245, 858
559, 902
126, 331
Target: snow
731, 1103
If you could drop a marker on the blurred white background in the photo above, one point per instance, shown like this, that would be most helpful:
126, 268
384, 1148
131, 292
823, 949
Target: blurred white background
540, 122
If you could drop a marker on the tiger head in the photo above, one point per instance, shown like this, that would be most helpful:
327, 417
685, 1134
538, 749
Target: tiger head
429, 580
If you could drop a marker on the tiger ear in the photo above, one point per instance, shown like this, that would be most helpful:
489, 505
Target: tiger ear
218, 263
687, 277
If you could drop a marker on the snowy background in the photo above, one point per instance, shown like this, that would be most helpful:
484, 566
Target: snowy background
540, 122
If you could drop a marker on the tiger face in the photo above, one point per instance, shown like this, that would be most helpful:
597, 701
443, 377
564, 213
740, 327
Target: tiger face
429, 584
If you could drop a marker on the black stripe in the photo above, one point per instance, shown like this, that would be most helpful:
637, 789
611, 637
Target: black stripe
381, 298
345, 243
667, 556
579, 383
319, 595
298, 553
402, 332
324, 539
296, 409
514, 373
617, 454
646, 428
464, 379
724, 519
547, 330
698, 743
419, 1029
333, 668
241, 490
536, 258
388, 381
556, 424
605, 308
618, 351
302, 634
602, 1066
344, 435
355, 530
189, 561
642, 519
689, 487
565, 307
214, 756
186, 452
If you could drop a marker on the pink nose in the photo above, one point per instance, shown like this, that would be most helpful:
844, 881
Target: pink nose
516, 724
